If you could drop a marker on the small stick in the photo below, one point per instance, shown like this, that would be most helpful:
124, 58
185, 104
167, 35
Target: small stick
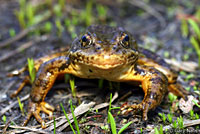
19, 49
149, 10
31, 129
14, 52
16, 38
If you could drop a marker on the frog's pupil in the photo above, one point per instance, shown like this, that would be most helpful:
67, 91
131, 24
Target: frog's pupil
84, 39
126, 38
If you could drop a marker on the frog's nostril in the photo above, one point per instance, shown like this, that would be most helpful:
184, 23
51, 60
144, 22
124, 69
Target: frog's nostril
114, 47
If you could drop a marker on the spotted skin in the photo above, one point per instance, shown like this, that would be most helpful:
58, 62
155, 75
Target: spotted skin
109, 53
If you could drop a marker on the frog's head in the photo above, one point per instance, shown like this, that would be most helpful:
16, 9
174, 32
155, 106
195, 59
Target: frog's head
104, 47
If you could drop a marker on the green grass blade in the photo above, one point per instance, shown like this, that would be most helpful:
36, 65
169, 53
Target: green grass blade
67, 118
21, 106
113, 108
124, 127
4, 119
74, 117
195, 44
195, 27
195, 102
184, 28
109, 109
54, 124
72, 85
31, 69
156, 130
112, 123
100, 84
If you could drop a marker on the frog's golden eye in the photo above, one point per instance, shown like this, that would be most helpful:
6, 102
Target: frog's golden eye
85, 41
125, 41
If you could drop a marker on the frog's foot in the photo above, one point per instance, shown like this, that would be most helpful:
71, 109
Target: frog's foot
125, 108
178, 90
34, 110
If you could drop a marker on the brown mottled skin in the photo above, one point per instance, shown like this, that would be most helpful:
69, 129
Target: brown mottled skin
109, 53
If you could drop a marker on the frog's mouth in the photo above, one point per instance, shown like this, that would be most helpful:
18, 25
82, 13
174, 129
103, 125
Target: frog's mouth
106, 61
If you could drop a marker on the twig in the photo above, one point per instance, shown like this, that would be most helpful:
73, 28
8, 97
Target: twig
14, 52
13, 104
19, 49
17, 37
187, 66
92, 124
31, 129
6, 88
141, 4
188, 123
23, 33
6, 125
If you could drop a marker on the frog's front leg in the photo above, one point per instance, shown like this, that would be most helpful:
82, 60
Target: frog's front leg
154, 85
37, 64
45, 78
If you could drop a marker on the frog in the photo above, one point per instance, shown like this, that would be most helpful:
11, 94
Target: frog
104, 52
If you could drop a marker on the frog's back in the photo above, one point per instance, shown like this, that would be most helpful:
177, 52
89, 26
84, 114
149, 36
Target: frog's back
149, 58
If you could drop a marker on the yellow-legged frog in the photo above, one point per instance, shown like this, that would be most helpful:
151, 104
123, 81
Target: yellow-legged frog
109, 53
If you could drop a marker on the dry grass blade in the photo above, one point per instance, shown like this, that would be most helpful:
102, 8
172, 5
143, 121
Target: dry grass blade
141, 4
16, 38
13, 104
81, 109
6, 88
21, 48
41, 131
14, 52
6, 126
92, 124
187, 66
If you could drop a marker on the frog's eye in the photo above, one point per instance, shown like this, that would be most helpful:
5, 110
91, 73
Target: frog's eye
84, 38
85, 41
125, 41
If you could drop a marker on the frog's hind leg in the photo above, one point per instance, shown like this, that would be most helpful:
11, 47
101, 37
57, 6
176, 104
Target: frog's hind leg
178, 90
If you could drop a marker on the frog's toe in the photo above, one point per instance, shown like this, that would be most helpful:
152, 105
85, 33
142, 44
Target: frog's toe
178, 90
145, 111
35, 108
48, 109
125, 108
144, 107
